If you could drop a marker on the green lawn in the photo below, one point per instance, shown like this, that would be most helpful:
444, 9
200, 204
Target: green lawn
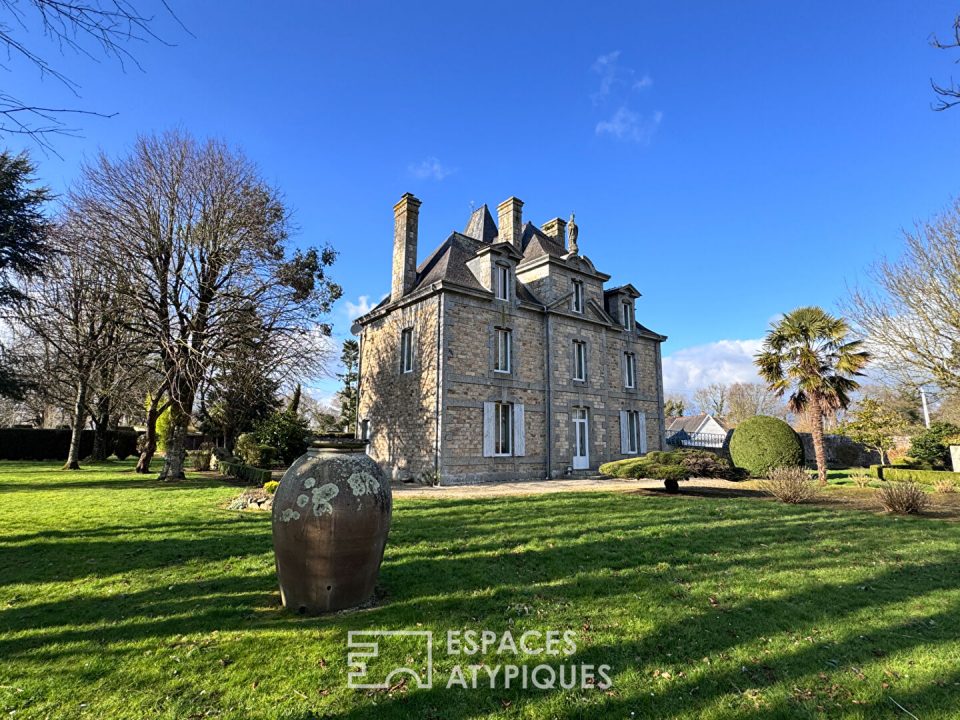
121, 597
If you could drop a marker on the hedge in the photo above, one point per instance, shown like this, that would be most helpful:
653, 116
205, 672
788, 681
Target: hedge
904, 474
44, 444
247, 473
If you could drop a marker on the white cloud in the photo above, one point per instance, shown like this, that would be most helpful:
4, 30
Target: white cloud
361, 307
607, 67
429, 169
724, 361
613, 75
628, 125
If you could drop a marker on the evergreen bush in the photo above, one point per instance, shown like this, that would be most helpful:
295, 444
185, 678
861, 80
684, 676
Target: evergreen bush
762, 443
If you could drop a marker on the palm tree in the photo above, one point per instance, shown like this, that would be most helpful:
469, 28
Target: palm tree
810, 355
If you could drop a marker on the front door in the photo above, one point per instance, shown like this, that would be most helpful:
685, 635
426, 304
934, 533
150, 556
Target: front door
581, 439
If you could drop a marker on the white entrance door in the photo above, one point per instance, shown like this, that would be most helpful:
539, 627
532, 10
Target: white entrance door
581, 439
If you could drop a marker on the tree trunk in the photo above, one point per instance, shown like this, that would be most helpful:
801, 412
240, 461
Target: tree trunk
101, 427
79, 416
149, 438
176, 451
816, 430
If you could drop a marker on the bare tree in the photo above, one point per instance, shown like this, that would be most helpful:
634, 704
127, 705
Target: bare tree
712, 399
747, 400
204, 238
948, 95
674, 405
74, 311
88, 28
910, 314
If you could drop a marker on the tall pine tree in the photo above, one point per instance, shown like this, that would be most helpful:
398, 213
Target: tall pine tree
350, 358
23, 229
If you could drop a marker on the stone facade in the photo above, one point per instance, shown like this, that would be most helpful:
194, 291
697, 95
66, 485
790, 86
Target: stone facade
439, 401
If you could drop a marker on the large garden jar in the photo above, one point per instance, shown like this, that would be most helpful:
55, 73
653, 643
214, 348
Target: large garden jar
331, 516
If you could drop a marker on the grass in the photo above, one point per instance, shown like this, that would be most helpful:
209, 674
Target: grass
122, 597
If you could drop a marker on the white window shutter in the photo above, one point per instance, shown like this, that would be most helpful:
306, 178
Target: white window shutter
642, 430
488, 429
624, 433
519, 434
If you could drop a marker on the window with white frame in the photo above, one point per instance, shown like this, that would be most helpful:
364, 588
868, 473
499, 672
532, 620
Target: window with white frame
629, 370
503, 427
406, 350
577, 296
504, 351
633, 432
502, 282
627, 315
579, 360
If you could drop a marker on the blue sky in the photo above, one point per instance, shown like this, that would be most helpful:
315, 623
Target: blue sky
732, 160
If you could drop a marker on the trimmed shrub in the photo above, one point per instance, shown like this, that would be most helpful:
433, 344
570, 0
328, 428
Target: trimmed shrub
762, 443
671, 467
706, 464
247, 473
271, 486
694, 463
790, 485
924, 477
903, 498
932, 446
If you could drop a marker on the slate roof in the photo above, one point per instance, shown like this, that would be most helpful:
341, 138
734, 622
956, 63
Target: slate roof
449, 262
481, 226
535, 243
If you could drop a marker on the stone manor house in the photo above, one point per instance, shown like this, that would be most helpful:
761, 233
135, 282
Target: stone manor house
503, 356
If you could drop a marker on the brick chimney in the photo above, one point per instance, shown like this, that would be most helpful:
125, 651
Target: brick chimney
510, 220
406, 214
557, 229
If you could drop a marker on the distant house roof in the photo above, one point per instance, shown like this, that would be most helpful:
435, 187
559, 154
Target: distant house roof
691, 423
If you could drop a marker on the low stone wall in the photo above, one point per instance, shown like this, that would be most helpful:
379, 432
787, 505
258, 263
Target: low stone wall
841, 452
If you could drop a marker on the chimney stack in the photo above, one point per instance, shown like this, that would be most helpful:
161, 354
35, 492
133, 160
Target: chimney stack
510, 220
557, 229
406, 214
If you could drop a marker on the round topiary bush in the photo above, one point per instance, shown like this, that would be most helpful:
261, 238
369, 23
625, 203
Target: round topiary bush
762, 443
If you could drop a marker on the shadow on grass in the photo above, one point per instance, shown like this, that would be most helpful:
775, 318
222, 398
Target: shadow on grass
464, 563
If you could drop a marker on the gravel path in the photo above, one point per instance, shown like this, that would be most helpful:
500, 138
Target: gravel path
538, 487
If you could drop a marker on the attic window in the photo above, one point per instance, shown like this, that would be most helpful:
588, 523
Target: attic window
577, 296
502, 282
627, 315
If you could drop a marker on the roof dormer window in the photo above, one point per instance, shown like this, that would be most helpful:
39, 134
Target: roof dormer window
577, 296
626, 315
501, 282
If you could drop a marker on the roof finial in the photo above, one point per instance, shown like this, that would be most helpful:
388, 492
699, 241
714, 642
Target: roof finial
573, 232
